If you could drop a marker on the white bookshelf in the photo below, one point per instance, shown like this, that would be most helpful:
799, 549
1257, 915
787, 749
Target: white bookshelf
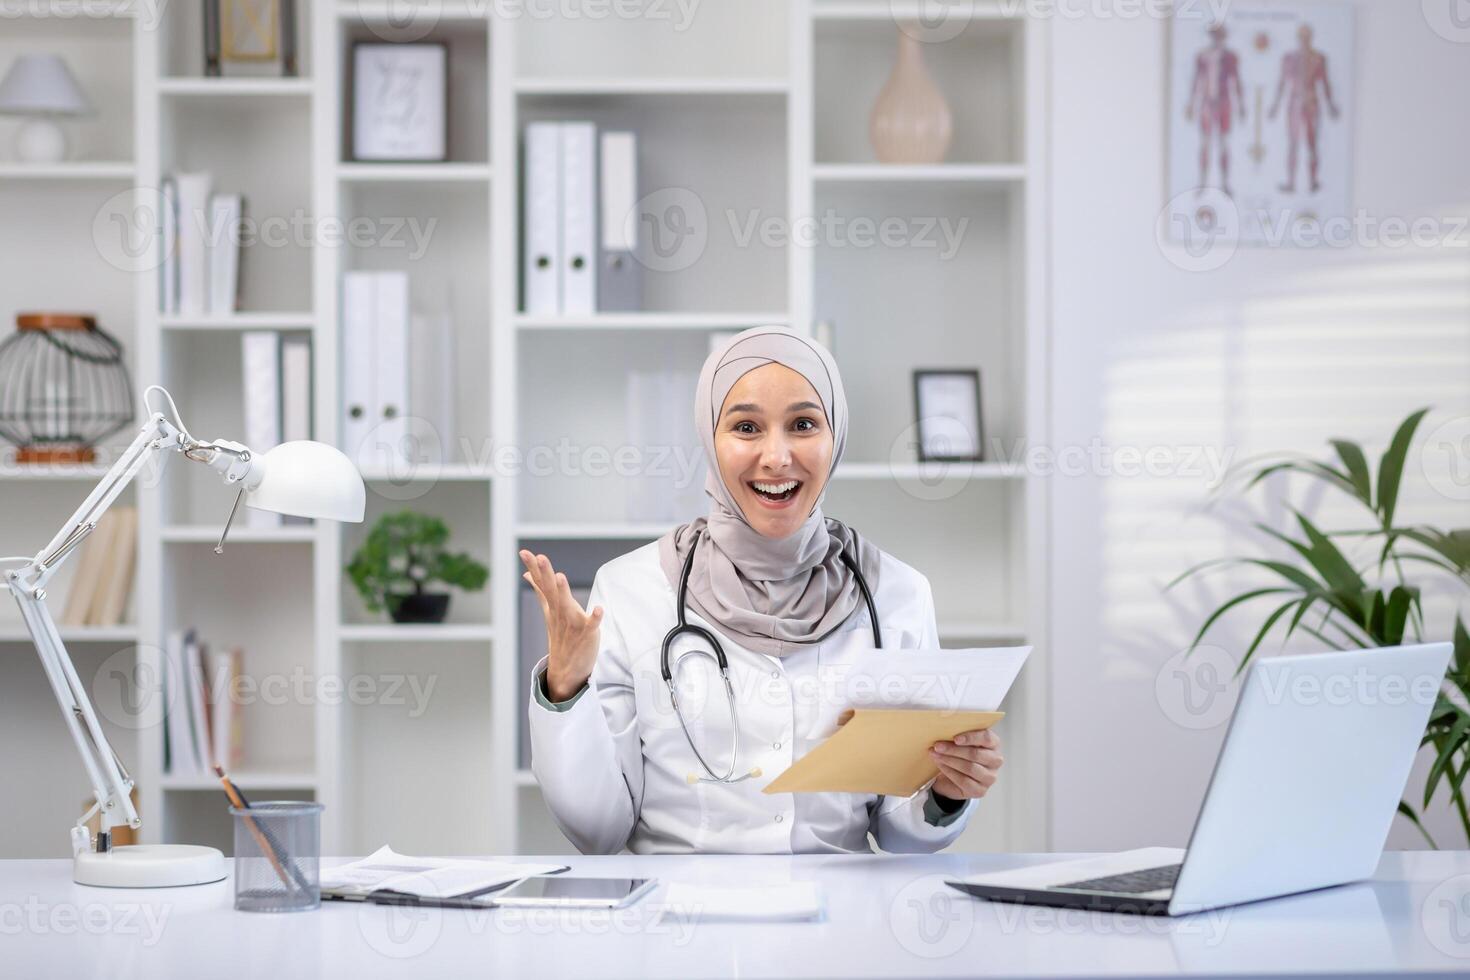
759, 104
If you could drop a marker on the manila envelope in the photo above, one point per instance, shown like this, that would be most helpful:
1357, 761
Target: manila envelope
880, 750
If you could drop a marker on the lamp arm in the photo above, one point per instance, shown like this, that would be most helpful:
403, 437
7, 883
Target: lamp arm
111, 784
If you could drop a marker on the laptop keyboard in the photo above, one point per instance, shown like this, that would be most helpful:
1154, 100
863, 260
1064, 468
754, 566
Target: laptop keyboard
1130, 882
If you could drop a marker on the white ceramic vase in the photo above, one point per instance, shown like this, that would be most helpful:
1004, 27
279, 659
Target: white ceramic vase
910, 121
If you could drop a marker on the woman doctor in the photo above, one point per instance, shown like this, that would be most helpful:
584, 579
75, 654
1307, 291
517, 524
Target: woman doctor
770, 580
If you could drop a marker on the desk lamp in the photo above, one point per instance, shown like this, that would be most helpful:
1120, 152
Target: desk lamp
304, 479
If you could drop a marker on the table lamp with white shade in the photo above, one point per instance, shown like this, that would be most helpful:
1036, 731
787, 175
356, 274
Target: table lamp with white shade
41, 87
303, 479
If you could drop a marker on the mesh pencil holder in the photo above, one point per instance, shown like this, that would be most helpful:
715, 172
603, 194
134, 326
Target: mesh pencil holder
278, 846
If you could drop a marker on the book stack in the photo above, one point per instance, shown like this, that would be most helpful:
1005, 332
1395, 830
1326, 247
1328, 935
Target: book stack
202, 720
103, 581
201, 233
581, 224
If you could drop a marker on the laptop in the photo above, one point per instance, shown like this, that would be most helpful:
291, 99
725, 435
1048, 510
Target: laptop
1304, 790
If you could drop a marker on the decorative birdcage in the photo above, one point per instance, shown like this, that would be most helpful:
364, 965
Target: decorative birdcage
63, 388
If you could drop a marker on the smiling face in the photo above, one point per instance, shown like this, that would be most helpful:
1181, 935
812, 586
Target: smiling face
774, 448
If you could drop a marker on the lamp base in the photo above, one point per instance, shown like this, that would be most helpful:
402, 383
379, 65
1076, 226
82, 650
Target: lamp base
40, 140
150, 866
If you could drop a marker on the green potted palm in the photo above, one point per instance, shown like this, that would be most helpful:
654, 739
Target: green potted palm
1315, 587
403, 555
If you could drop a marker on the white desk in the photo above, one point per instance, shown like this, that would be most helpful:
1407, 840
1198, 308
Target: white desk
885, 916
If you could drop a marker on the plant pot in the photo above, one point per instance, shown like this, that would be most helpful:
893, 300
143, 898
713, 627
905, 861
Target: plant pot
419, 607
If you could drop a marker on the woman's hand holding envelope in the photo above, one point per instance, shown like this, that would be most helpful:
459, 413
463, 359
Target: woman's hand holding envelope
968, 764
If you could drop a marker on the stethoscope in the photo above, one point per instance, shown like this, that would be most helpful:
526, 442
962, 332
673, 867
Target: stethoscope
717, 654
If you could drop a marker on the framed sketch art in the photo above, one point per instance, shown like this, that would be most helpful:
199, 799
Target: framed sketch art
400, 95
947, 413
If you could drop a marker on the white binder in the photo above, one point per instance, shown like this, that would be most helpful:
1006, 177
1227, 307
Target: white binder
619, 277
389, 436
168, 286
541, 221
579, 218
260, 355
225, 212
359, 333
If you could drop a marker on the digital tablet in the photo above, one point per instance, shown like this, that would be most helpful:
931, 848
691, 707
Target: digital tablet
582, 893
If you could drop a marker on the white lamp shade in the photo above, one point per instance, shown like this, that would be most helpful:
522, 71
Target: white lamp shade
41, 84
309, 479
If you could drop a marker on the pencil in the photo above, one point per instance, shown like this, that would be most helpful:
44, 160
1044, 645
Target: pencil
264, 839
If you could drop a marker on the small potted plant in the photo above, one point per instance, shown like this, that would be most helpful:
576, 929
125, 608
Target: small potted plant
402, 555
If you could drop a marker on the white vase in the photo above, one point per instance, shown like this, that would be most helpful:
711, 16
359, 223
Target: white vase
910, 121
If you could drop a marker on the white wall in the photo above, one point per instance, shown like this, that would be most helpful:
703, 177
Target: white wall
1279, 349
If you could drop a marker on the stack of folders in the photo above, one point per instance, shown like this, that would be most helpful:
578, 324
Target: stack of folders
277, 389
201, 234
398, 376
580, 225
202, 721
103, 581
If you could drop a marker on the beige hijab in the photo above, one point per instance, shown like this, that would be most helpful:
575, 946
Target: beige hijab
772, 595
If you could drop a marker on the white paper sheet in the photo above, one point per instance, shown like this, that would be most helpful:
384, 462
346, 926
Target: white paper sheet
791, 901
427, 877
957, 680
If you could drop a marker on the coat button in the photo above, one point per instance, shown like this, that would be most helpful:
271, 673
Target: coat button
776, 674
779, 818
775, 745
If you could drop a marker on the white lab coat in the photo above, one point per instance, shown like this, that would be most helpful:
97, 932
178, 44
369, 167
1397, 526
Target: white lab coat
613, 766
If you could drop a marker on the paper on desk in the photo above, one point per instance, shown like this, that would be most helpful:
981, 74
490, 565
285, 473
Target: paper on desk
787, 902
386, 870
880, 750
957, 680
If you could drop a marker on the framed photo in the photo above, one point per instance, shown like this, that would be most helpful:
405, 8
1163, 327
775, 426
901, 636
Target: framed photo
400, 101
947, 414
252, 36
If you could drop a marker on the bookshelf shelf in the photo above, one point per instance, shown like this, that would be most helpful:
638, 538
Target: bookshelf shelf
234, 88
652, 86
16, 632
245, 780
202, 534
392, 173
426, 633
73, 170
942, 173
650, 321
238, 321
87, 472
589, 530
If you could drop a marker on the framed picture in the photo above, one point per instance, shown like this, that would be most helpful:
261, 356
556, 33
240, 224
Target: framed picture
947, 414
1261, 105
251, 35
400, 101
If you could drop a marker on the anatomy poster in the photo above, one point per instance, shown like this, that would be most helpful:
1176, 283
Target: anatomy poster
1260, 110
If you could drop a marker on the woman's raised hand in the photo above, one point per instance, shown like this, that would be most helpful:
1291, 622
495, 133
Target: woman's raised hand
571, 632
